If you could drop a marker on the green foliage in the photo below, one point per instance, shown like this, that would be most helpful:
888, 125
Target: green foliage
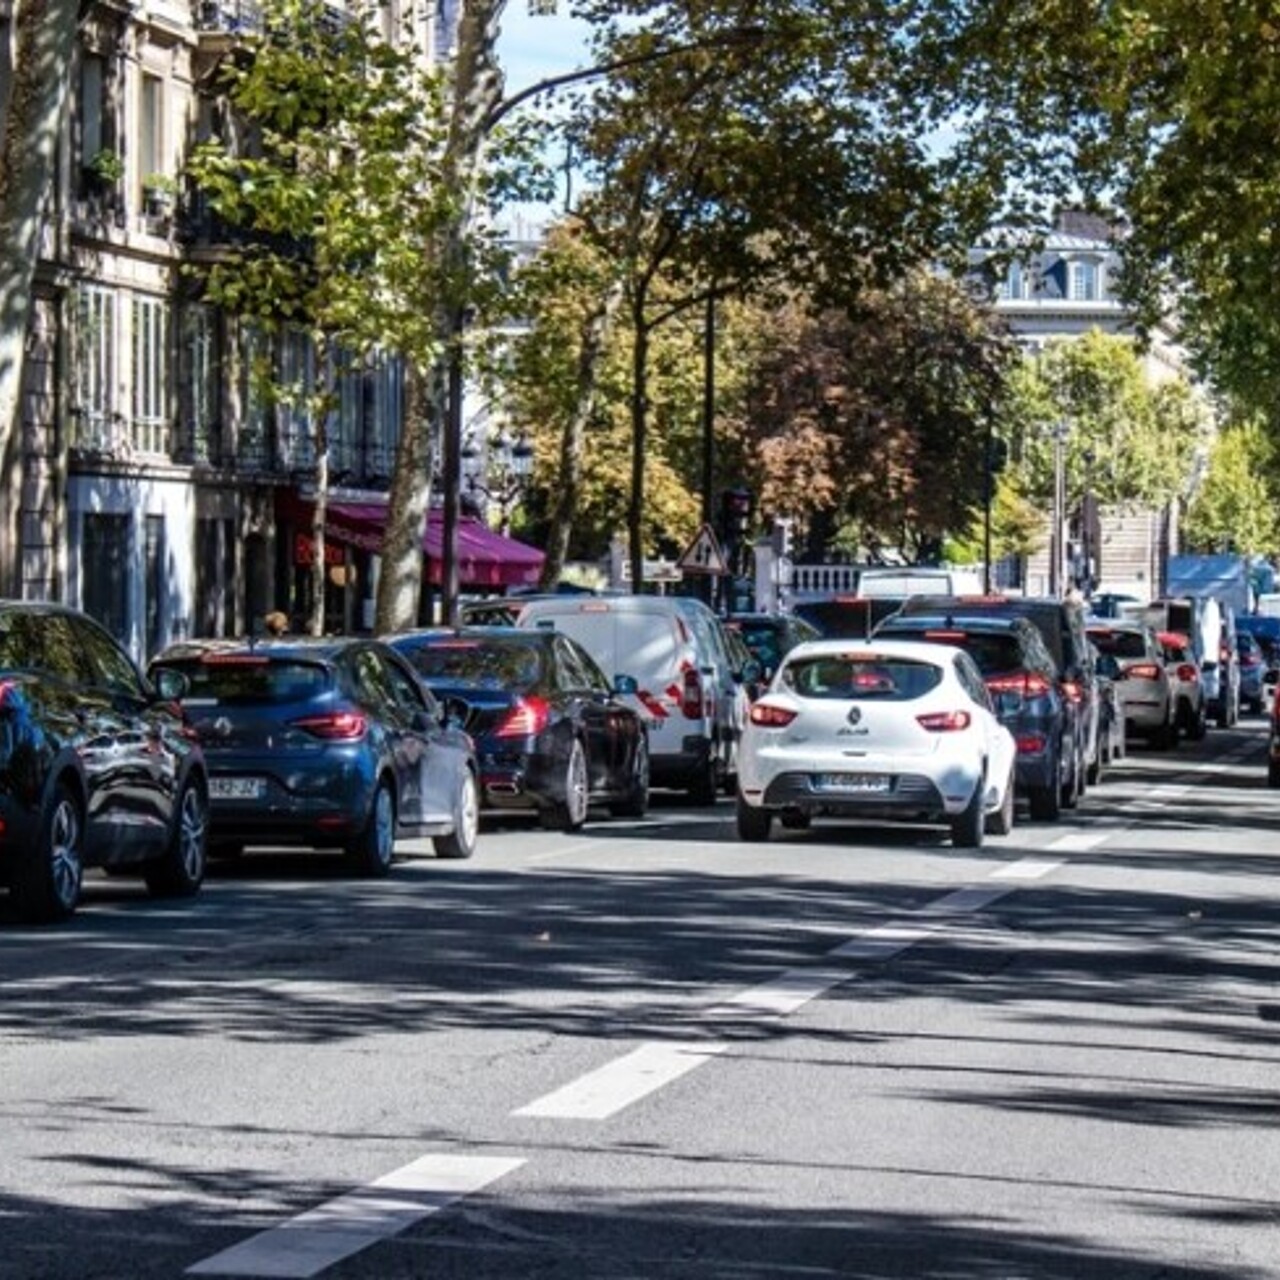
1237, 506
1122, 439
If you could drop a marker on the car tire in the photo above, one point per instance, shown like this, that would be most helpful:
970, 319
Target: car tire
1000, 823
1070, 791
46, 884
461, 841
636, 803
179, 871
969, 826
1045, 802
1199, 724
705, 786
569, 814
1273, 773
753, 824
1222, 714
371, 852
1093, 774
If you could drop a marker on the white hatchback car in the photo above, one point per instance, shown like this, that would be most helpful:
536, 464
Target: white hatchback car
897, 729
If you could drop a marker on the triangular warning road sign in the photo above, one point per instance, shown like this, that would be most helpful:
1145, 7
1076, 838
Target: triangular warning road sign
703, 554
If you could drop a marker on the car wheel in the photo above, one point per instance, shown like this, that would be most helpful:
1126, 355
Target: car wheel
1093, 774
1199, 724
753, 824
1000, 823
704, 788
1071, 789
967, 827
636, 804
370, 853
179, 871
1273, 773
46, 885
1222, 714
570, 812
1045, 802
461, 841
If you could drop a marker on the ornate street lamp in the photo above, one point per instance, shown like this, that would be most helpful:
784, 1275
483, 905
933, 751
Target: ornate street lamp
499, 475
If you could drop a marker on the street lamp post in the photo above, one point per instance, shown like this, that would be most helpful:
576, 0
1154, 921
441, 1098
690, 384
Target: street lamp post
499, 475
1057, 574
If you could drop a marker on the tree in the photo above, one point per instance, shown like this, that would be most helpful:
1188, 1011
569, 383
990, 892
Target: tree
35, 71
1237, 506
874, 420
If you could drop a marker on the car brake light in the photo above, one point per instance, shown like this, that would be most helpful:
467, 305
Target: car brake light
1072, 691
6, 691
691, 699
945, 637
1031, 744
527, 718
769, 717
1252, 660
1143, 671
1187, 673
944, 721
335, 726
1027, 683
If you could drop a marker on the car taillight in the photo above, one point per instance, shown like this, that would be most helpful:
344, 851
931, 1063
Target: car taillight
944, 721
1251, 660
1031, 744
527, 718
691, 697
1187, 672
1027, 683
1143, 671
1073, 691
771, 717
335, 726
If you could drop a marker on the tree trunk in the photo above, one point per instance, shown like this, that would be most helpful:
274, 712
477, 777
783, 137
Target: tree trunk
44, 41
639, 432
595, 333
477, 93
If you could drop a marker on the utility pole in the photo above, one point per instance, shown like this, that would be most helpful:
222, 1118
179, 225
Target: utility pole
1057, 573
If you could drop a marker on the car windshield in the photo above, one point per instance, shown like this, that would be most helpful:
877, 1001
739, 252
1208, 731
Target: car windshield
762, 640
252, 680
1120, 644
845, 676
992, 651
477, 664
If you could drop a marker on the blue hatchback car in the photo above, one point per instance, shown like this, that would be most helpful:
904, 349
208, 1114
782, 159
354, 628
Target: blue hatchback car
1022, 679
331, 743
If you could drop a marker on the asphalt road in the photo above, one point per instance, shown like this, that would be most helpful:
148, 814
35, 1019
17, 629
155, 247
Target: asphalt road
650, 1051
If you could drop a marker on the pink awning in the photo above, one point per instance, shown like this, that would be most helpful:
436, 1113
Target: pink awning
486, 558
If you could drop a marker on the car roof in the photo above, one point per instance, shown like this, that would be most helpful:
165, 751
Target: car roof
949, 621
498, 634
919, 650
313, 648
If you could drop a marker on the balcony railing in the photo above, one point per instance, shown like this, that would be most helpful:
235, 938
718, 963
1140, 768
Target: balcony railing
230, 17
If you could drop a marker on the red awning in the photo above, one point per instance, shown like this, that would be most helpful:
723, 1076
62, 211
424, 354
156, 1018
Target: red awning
485, 558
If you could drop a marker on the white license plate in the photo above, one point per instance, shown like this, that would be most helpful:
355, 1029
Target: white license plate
236, 788
862, 783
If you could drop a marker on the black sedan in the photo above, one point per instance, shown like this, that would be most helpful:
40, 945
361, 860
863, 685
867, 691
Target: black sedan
330, 743
551, 733
97, 766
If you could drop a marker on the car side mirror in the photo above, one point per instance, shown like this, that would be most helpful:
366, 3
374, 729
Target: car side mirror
171, 685
1108, 666
454, 712
625, 684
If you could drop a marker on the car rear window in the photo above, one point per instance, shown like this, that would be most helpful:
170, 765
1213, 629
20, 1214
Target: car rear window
845, 676
991, 651
1119, 644
477, 664
852, 618
252, 680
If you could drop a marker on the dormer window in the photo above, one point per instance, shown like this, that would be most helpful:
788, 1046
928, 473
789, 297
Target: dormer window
1083, 280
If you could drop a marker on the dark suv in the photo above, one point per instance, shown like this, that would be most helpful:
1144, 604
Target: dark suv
97, 766
1061, 627
1023, 681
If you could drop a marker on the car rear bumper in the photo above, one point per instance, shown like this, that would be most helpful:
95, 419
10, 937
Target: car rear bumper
908, 796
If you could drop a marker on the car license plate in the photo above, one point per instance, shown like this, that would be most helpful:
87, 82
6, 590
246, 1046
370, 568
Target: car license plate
236, 788
861, 783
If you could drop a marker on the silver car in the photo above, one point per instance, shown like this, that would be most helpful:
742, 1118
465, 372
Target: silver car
1131, 655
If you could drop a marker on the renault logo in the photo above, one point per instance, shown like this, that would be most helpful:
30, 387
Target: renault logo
855, 715
222, 727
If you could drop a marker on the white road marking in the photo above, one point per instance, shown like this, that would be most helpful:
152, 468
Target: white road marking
601, 1093
1026, 869
1079, 841
304, 1246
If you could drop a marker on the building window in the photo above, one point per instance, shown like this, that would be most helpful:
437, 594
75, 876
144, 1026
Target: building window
382, 426
251, 447
151, 159
94, 420
201, 400
105, 562
297, 387
348, 428
1082, 281
150, 427
153, 584
92, 95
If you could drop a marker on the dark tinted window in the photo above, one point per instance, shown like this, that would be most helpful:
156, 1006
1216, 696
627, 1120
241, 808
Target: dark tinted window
991, 651
109, 666
861, 676
253, 680
851, 618
1120, 644
488, 663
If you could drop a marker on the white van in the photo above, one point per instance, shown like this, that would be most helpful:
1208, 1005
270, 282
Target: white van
673, 647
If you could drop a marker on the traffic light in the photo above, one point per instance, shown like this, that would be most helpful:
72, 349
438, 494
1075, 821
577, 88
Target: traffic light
735, 513
781, 536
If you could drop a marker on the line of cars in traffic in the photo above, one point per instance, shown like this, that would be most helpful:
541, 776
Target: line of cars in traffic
944, 711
